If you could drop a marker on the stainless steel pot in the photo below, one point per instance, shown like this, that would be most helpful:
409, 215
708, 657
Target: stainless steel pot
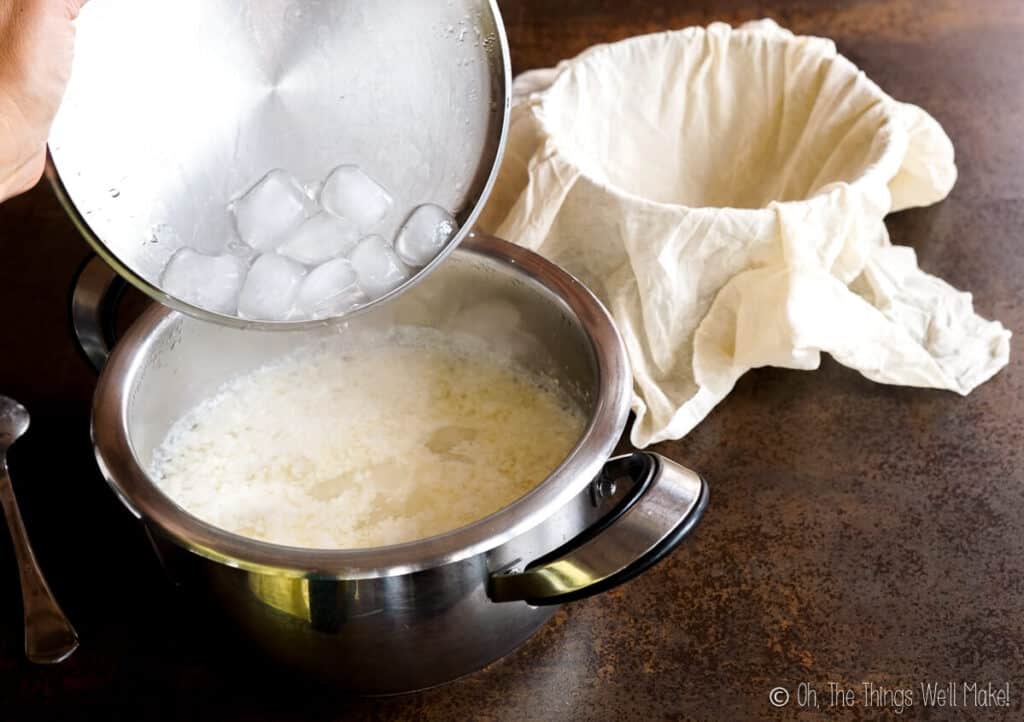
411, 616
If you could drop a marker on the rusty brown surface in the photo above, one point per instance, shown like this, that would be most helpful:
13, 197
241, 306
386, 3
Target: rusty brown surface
856, 532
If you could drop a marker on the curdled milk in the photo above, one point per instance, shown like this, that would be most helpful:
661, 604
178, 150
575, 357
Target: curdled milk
335, 448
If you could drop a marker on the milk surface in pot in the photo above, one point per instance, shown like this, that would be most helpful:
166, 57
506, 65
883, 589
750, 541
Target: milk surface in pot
369, 445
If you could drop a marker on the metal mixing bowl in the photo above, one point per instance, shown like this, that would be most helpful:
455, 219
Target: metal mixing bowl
399, 618
175, 108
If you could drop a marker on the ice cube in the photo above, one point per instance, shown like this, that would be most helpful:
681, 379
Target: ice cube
425, 233
209, 282
271, 209
330, 290
320, 239
378, 267
269, 291
350, 193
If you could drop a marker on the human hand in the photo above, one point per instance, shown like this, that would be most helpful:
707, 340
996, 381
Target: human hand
36, 45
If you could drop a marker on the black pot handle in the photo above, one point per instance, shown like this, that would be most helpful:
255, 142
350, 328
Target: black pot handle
95, 295
659, 511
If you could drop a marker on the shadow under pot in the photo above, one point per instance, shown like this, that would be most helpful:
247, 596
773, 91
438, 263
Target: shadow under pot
406, 617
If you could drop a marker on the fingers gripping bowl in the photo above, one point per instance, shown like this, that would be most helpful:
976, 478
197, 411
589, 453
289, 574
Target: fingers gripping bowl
458, 600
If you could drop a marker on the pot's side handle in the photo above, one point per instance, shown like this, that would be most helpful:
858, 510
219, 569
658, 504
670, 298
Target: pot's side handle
94, 296
661, 509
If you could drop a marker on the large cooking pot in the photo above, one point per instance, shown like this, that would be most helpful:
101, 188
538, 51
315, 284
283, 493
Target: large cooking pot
410, 616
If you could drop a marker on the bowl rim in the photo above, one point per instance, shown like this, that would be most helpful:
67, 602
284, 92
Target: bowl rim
134, 488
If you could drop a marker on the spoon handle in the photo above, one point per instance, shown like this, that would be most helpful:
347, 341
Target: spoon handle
49, 636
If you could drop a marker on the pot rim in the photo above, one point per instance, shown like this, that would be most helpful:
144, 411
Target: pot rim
134, 488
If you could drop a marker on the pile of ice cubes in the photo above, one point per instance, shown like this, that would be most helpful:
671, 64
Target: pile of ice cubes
304, 258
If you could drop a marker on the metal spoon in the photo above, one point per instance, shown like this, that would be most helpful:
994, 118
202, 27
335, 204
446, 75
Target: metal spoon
49, 636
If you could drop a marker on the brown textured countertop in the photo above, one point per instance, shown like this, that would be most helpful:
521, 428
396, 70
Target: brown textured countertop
856, 532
